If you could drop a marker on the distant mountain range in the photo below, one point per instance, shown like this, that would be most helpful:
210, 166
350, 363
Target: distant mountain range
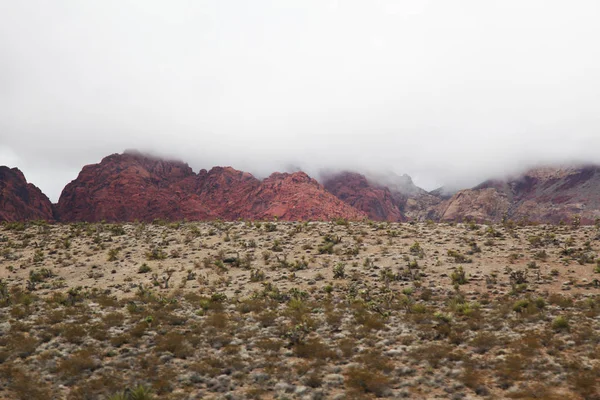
136, 187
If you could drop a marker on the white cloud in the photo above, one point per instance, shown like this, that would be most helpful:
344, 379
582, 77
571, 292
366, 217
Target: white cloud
449, 92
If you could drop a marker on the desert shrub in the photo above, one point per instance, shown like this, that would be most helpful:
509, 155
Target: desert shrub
458, 257
139, 392
175, 343
585, 382
472, 377
156, 254
269, 345
277, 246
313, 348
112, 254
339, 271
374, 360
313, 379
417, 250
484, 342
144, 268
21, 345
367, 381
25, 386
459, 276
76, 364
328, 243
560, 323
434, 353
40, 275
257, 275
347, 346
560, 300
73, 333
113, 319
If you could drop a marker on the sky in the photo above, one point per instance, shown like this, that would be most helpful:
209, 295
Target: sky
449, 92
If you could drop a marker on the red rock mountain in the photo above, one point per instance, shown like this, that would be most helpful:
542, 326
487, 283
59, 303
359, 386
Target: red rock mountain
376, 201
132, 186
298, 197
546, 195
384, 197
21, 201
128, 187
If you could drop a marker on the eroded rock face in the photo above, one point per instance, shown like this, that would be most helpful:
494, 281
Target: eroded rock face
133, 186
384, 197
544, 195
227, 192
299, 197
480, 205
354, 189
21, 201
128, 187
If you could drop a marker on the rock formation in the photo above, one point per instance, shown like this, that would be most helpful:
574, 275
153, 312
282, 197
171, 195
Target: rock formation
129, 187
545, 195
21, 201
374, 200
132, 186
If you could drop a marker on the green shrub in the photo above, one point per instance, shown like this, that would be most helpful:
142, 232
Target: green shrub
339, 271
144, 268
560, 323
459, 276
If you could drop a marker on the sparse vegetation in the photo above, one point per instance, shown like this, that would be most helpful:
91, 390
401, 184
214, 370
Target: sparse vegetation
295, 310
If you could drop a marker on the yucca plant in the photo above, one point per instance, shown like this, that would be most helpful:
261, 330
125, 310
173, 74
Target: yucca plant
140, 392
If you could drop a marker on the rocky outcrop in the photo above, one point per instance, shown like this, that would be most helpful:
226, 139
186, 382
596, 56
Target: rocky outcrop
356, 190
415, 203
129, 187
384, 197
21, 201
544, 195
132, 186
480, 205
227, 192
299, 197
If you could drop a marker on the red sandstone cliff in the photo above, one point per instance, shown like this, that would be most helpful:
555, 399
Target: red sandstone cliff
128, 187
21, 201
354, 189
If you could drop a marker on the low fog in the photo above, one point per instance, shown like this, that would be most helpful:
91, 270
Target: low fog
448, 92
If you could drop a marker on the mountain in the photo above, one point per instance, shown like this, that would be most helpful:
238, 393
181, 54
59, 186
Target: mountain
443, 192
356, 190
299, 197
21, 201
545, 195
383, 196
414, 202
133, 186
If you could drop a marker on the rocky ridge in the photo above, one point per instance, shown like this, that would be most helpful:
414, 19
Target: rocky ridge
20, 200
132, 186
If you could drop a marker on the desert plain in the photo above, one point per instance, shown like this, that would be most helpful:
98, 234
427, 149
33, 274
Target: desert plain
299, 310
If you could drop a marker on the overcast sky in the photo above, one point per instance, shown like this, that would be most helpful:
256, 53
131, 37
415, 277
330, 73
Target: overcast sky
450, 92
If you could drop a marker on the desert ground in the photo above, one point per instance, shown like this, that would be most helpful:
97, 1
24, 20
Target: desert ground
305, 310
